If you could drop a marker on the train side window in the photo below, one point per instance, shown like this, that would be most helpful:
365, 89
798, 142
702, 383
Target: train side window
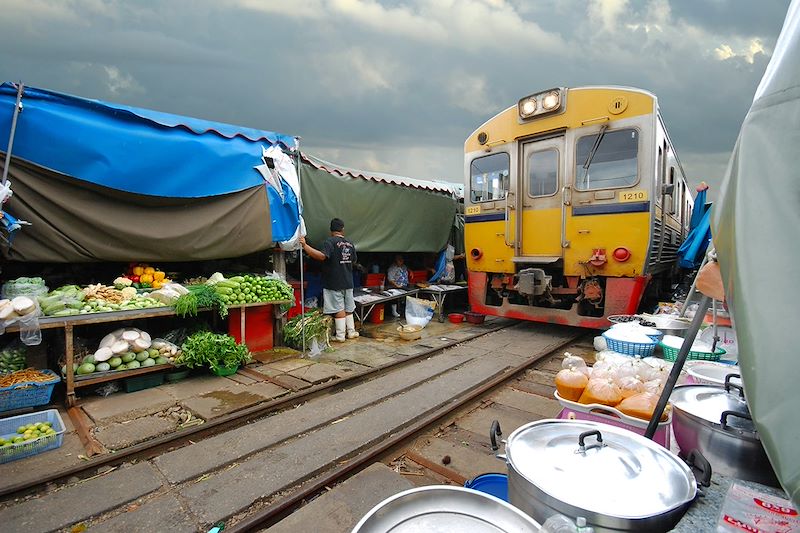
543, 173
607, 162
489, 177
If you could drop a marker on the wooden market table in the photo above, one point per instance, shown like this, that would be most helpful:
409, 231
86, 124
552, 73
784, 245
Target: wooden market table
68, 323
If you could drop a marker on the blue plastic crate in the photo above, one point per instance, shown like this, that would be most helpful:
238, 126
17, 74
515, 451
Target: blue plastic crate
28, 394
8, 428
635, 349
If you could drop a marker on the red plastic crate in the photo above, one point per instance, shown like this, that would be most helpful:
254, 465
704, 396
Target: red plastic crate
258, 323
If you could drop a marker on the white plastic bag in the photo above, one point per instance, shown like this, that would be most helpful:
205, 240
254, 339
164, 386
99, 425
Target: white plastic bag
419, 312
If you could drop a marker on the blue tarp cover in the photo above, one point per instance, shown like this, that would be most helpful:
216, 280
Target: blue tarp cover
131, 149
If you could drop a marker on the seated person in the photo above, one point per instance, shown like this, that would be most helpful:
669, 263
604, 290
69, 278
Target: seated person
398, 277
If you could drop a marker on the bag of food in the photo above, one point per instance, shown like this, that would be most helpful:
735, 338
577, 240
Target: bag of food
13, 357
641, 405
630, 385
602, 391
570, 383
576, 362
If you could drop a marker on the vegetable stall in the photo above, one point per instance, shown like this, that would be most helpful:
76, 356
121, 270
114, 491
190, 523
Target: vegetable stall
95, 185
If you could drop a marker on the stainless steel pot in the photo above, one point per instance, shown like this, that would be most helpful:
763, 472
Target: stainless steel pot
615, 479
717, 422
445, 508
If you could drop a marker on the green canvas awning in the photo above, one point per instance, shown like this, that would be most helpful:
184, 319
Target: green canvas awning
381, 214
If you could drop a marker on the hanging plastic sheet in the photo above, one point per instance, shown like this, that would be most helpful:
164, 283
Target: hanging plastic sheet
756, 226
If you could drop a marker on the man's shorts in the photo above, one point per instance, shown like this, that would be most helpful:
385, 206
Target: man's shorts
335, 301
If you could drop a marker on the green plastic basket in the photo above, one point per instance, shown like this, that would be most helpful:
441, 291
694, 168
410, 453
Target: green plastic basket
671, 354
224, 371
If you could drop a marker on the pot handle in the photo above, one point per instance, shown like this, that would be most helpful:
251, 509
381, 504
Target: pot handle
729, 385
700, 466
495, 432
582, 438
725, 414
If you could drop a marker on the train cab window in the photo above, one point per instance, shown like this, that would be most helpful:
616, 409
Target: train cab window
607, 160
543, 173
489, 177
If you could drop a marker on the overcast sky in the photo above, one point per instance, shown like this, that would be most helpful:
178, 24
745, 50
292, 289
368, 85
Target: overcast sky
397, 85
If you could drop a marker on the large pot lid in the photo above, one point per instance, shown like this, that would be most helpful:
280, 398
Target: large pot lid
708, 402
443, 508
625, 476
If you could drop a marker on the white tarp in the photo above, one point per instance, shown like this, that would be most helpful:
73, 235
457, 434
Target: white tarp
756, 228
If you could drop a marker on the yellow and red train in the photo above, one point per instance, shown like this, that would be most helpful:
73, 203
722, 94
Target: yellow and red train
575, 203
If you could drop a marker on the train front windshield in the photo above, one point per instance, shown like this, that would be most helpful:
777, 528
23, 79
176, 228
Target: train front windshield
489, 177
611, 163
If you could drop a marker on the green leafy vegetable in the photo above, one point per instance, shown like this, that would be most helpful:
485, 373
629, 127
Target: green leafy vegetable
213, 350
313, 324
199, 297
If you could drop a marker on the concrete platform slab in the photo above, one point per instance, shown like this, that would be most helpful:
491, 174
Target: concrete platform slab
372, 359
162, 514
124, 406
57, 510
344, 506
480, 420
467, 350
317, 373
293, 382
220, 402
241, 379
118, 435
197, 385
284, 366
464, 460
530, 403
269, 391
412, 349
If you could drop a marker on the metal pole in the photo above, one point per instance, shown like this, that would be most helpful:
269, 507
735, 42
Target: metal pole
302, 275
677, 366
693, 289
17, 109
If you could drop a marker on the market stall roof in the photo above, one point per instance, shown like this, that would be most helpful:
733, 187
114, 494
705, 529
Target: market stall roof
381, 213
454, 189
108, 182
756, 228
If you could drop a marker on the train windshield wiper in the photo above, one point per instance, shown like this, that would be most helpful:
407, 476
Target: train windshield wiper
593, 151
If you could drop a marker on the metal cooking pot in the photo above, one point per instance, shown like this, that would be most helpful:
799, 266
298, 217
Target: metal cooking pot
615, 479
445, 508
717, 422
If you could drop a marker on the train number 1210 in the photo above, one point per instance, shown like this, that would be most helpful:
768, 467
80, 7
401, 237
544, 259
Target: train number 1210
633, 196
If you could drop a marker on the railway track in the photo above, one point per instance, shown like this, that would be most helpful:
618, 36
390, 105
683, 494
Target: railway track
255, 468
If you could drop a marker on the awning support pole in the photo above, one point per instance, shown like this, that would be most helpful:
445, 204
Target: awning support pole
677, 366
17, 111
299, 218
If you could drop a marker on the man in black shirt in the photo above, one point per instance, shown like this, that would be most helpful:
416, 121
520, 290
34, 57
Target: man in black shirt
338, 256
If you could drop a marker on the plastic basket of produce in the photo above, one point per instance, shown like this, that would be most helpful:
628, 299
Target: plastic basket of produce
671, 347
636, 349
26, 435
26, 388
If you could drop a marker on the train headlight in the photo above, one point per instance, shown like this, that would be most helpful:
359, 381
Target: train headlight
527, 107
551, 101
544, 103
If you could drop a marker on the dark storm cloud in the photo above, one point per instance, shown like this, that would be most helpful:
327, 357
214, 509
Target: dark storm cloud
396, 86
